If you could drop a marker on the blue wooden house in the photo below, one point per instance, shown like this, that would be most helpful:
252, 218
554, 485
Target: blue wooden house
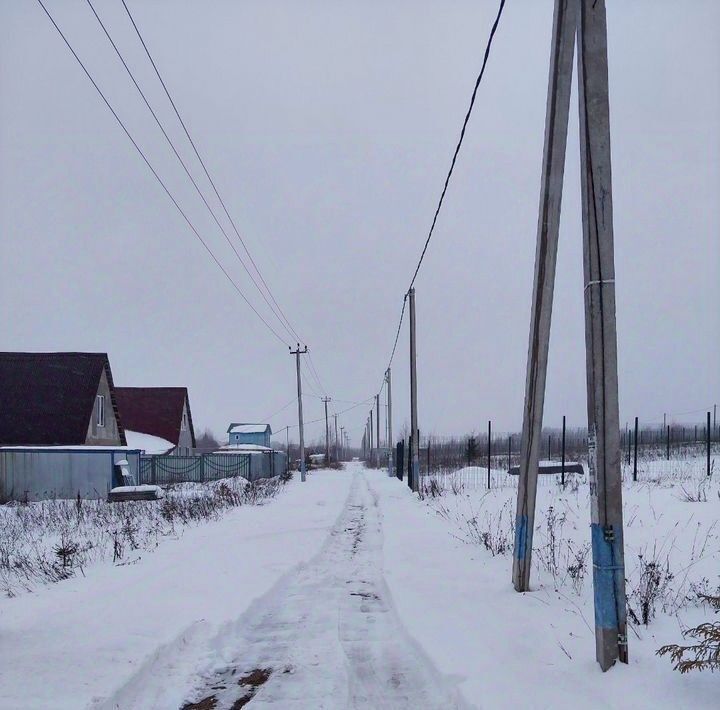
244, 433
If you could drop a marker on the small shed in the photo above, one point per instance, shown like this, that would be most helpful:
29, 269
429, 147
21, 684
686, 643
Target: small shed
248, 433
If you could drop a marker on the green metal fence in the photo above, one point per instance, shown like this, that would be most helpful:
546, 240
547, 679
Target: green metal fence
163, 470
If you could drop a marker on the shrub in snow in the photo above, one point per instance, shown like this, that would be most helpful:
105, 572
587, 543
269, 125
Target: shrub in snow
703, 655
652, 587
50, 540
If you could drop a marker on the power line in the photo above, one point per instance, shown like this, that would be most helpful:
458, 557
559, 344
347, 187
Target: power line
154, 172
447, 178
460, 141
184, 165
344, 411
282, 409
207, 173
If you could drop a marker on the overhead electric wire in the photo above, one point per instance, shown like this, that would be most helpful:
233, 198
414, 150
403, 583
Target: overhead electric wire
344, 411
460, 141
185, 167
154, 172
207, 173
447, 178
282, 409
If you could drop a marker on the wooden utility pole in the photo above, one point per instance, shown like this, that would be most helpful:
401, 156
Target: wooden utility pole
342, 443
325, 401
587, 18
414, 433
297, 353
388, 380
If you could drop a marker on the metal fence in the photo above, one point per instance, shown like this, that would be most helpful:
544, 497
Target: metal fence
168, 469
39, 473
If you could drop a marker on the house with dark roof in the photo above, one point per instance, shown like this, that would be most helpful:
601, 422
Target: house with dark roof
58, 399
160, 412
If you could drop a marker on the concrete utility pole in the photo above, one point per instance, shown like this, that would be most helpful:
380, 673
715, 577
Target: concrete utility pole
297, 353
327, 432
601, 338
337, 452
342, 443
377, 422
371, 432
587, 18
556, 123
388, 380
414, 433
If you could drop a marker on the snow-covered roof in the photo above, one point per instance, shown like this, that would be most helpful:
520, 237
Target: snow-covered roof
147, 442
69, 447
243, 448
249, 428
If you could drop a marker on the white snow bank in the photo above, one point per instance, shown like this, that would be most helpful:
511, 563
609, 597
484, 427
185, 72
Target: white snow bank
75, 644
537, 650
147, 442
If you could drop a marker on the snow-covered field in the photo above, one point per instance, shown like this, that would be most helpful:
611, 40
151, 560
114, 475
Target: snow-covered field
350, 592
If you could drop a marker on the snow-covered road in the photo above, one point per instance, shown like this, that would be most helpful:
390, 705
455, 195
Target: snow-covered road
328, 636
344, 592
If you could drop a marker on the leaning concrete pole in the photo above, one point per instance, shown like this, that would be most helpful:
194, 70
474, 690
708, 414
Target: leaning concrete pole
414, 433
556, 123
601, 338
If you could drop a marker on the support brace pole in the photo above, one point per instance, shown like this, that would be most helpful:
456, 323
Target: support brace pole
556, 123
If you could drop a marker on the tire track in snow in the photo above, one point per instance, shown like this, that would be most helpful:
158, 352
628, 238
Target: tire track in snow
329, 636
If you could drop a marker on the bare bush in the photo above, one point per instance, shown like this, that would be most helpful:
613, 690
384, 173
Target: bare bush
51, 540
651, 588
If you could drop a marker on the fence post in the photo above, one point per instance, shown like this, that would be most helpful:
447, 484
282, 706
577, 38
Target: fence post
708, 443
629, 442
428, 457
489, 451
562, 474
635, 438
409, 462
509, 450
400, 460
202, 468
667, 441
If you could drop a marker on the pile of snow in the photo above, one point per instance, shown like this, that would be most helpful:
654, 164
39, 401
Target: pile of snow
243, 449
147, 442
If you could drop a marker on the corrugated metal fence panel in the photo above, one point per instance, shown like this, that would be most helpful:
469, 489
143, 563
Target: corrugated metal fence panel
37, 474
170, 468
219, 466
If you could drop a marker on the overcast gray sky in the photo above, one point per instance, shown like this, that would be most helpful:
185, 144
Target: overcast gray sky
329, 127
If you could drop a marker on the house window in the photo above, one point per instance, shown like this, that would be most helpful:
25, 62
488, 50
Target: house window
101, 410
183, 423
